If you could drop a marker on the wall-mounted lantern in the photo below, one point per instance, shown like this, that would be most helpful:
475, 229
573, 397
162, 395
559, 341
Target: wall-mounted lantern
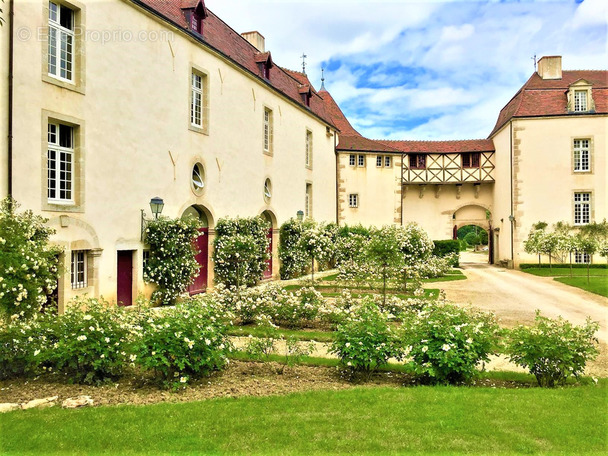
156, 207
300, 215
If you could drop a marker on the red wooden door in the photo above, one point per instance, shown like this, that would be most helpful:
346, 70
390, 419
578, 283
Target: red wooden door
202, 244
268, 271
124, 281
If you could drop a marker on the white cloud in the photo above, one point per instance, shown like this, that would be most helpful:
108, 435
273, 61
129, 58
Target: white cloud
439, 70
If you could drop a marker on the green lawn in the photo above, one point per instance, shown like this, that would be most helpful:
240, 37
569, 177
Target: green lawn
598, 282
565, 272
597, 285
454, 274
363, 420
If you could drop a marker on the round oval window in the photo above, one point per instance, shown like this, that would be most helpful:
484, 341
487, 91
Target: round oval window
267, 190
198, 178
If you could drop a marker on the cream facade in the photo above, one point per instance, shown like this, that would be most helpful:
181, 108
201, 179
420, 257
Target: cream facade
163, 99
128, 110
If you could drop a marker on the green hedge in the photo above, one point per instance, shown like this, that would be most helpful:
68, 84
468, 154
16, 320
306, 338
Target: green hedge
561, 265
445, 247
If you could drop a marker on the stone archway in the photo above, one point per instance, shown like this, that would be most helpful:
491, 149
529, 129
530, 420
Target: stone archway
203, 242
477, 215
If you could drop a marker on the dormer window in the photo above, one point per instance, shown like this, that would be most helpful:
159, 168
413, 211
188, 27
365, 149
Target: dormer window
264, 62
580, 97
580, 100
195, 13
306, 94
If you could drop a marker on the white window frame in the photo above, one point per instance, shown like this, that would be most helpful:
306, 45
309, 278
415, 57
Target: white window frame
78, 270
581, 103
308, 158
353, 200
267, 130
361, 161
352, 160
59, 34
388, 161
581, 257
379, 161
308, 201
582, 155
582, 208
196, 99
59, 157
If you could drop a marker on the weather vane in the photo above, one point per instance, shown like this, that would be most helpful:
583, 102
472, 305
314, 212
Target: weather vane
304, 62
322, 78
534, 58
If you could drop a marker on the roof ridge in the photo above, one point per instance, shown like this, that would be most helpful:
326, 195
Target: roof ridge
431, 140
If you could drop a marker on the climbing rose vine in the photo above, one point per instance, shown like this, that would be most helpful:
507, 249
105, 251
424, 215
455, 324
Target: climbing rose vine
172, 265
28, 264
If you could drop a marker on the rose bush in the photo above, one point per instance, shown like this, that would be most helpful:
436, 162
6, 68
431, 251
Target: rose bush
553, 350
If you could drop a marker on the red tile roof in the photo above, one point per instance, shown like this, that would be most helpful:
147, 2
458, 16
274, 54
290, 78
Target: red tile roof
548, 97
219, 36
360, 144
441, 147
337, 116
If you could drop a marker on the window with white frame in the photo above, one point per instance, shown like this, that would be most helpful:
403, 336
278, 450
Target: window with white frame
196, 100
308, 158
61, 42
60, 163
308, 201
582, 208
267, 130
353, 200
580, 100
581, 155
352, 159
581, 257
361, 160
379, 161
387, 161
79, 269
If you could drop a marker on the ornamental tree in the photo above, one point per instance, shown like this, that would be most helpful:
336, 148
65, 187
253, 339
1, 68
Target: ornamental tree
415, 246
28, 264
172, 264
317, 243
384, 255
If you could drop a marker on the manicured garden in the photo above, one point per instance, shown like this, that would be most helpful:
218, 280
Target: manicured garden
378, 326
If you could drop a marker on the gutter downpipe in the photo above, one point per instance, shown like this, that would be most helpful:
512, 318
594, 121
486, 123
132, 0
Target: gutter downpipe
337, 179
511, 171
10, 95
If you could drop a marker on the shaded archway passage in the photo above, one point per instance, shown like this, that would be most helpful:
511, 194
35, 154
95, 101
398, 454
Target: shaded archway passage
480, 219
270, 218
201, 280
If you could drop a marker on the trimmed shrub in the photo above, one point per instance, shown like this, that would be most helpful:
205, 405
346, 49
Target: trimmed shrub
446, 342
449, 248
183, 342
294, 260
553, 350
365, 341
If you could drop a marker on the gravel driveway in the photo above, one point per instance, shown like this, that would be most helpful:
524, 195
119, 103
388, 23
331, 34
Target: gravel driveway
514, 295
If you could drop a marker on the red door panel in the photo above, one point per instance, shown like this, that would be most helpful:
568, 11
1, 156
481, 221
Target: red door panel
124, 285
202, 244
268, 271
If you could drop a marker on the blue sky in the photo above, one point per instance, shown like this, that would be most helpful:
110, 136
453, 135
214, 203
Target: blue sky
423, 70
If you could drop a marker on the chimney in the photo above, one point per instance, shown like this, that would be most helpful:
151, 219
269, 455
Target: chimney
256, 39
550, 67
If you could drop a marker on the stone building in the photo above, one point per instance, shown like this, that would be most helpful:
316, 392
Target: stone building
108, 105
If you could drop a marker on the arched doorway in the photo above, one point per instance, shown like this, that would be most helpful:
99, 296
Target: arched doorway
270, 218
202, 244
475, 220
